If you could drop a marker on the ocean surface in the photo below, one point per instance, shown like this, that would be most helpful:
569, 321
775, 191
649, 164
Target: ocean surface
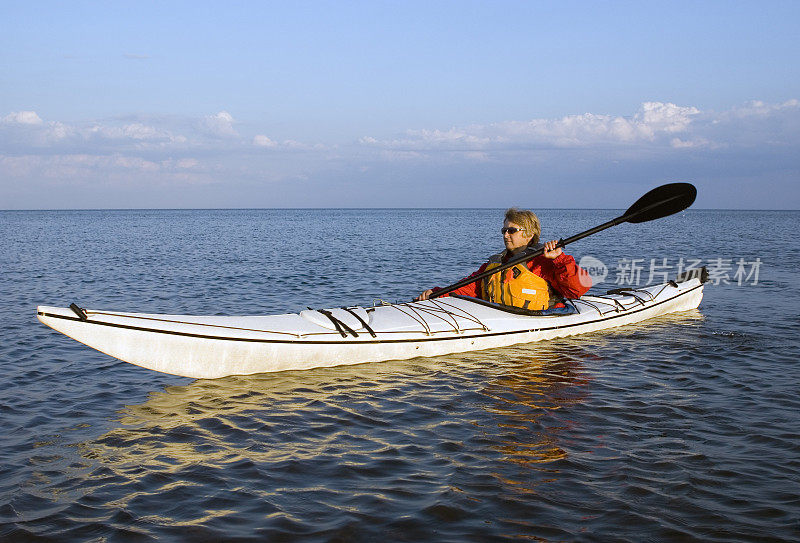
682, 428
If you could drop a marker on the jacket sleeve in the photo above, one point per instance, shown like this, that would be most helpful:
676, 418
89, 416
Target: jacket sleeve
565, 276
470, 289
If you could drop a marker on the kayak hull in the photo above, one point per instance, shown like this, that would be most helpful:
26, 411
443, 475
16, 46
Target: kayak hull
213, 347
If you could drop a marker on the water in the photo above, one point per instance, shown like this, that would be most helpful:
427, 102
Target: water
682, 428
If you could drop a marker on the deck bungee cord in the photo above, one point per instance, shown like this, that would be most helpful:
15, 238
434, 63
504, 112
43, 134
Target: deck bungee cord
417, 314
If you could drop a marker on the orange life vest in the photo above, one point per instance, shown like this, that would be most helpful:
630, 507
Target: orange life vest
517, 286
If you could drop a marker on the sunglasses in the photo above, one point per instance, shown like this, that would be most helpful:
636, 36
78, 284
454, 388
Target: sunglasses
511, 230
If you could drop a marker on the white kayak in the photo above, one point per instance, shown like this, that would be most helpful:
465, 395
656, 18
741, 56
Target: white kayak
214, 346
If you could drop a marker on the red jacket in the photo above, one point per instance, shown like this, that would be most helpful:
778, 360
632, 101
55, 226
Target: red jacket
563, 274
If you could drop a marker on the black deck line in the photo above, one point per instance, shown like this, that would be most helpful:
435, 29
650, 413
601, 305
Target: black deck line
357, 342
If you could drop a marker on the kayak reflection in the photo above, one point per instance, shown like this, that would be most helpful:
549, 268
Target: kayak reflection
386, 435
525, 406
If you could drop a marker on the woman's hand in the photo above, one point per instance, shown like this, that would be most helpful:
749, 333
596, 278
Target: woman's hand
550, 249
424, 295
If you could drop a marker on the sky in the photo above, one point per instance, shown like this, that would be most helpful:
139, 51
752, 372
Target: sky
397, 104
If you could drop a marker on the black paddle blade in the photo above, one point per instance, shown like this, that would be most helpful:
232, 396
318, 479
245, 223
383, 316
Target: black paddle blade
661, 202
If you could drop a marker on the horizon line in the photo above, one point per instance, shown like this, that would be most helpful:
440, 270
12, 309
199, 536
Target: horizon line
358, 208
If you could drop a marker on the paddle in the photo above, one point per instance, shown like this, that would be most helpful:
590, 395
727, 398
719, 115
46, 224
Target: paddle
660, 202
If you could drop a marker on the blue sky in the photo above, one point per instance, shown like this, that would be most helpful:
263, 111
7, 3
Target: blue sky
410, 104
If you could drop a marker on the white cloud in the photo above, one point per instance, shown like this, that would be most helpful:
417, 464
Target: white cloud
289, 145
187, 163
263, 141
655, 117
678, 143
23, 130
757, 108
23, 117
297, 145
57, 131
401, 156
220, 124
139, 131
86, 169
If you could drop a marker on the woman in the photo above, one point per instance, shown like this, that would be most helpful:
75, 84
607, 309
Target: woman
540, 283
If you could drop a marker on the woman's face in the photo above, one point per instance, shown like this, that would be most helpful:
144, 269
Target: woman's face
516, 238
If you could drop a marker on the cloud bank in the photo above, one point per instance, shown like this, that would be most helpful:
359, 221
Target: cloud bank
162, 158
654, 125
650, 122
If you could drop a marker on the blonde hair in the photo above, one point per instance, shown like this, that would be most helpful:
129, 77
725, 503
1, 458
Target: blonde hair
527, 220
